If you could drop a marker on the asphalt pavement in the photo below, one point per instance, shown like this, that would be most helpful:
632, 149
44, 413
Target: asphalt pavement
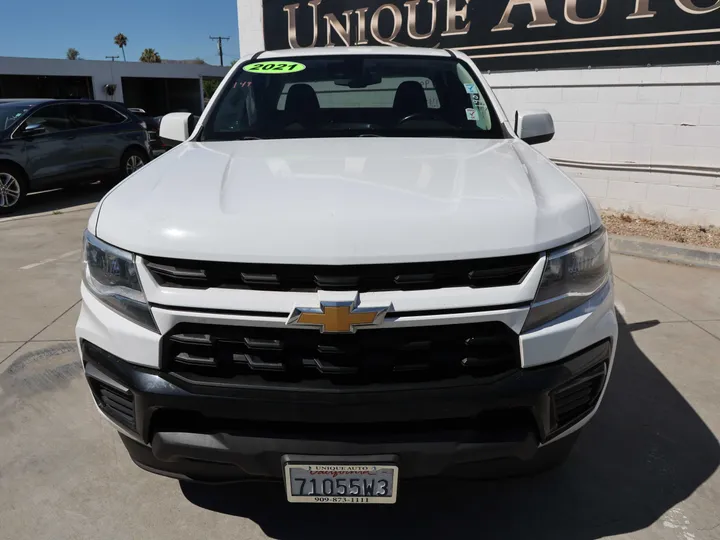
645, 468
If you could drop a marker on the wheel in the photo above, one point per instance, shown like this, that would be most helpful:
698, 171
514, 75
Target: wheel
131, 161
13, 188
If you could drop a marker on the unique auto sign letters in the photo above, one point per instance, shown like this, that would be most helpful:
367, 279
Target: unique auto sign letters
509, 34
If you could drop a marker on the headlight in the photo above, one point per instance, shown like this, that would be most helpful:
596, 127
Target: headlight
572, 275
111, 275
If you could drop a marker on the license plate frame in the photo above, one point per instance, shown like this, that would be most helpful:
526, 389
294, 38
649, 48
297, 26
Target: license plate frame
329, 470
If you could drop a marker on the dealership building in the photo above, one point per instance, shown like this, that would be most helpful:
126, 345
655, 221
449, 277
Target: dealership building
633, 85
156, 88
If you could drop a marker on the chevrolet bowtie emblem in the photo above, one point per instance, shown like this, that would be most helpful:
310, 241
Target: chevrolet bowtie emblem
338, 317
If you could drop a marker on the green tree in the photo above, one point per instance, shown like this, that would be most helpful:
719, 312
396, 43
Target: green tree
72, 54
150, 56
209, 87
233, 63
121, 41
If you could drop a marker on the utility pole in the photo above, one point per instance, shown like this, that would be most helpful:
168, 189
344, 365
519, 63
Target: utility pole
112, 58
220, 40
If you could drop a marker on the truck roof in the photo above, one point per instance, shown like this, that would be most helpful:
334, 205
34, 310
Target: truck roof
355, 50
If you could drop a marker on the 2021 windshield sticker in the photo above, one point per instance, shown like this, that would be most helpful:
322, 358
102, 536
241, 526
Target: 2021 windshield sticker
274, 68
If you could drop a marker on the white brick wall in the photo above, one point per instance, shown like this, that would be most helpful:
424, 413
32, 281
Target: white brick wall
632, 191
577, 131
710, 115
659, 94
618, 94
635, 113
678, 114
699, 95
654, 134
707, 156
614, 132
580, 95
250, 27
669, 195
639, 118
630, 153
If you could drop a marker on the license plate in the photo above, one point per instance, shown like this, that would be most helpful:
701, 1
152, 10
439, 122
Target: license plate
341, 484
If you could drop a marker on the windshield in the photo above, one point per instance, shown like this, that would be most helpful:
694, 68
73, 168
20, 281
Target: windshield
10, 113
352, 96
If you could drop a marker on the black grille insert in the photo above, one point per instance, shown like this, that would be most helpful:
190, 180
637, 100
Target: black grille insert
477, 273
577, 398
254, 355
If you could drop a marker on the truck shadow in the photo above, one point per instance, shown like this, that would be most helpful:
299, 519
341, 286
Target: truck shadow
644, 452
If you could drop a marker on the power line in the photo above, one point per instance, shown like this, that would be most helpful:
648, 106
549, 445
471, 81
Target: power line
112, 58
220, 40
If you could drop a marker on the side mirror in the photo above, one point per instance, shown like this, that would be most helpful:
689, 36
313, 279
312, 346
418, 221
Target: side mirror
31, 130
175, 128
534, 127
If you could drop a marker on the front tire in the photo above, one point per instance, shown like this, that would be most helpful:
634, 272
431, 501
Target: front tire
13, 189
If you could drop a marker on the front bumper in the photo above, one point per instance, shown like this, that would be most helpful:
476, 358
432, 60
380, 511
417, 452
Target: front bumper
483, 428
209, 434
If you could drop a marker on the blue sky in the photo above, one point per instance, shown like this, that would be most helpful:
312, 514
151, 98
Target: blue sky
176, 29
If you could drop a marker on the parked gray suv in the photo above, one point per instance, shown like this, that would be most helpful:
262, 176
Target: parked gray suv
46, 144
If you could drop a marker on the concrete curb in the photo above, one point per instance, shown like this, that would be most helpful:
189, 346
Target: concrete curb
665, 251
69, 210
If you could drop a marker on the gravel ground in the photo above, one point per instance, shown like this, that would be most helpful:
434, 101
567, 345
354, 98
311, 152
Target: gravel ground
629, 225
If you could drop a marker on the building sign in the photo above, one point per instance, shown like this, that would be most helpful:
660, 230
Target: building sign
509, 34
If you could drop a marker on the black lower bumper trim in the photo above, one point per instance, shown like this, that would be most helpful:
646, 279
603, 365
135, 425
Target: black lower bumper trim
262, 456
218, 465
468, 430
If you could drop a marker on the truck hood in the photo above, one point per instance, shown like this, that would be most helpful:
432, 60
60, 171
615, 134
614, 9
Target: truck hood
345, 201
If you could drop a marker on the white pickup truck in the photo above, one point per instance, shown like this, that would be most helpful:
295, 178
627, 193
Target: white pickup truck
353, 270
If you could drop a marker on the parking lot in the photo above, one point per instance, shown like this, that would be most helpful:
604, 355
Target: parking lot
646, 467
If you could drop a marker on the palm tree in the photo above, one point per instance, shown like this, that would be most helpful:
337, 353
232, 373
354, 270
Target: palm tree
121, 41
72, 54
150, 56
